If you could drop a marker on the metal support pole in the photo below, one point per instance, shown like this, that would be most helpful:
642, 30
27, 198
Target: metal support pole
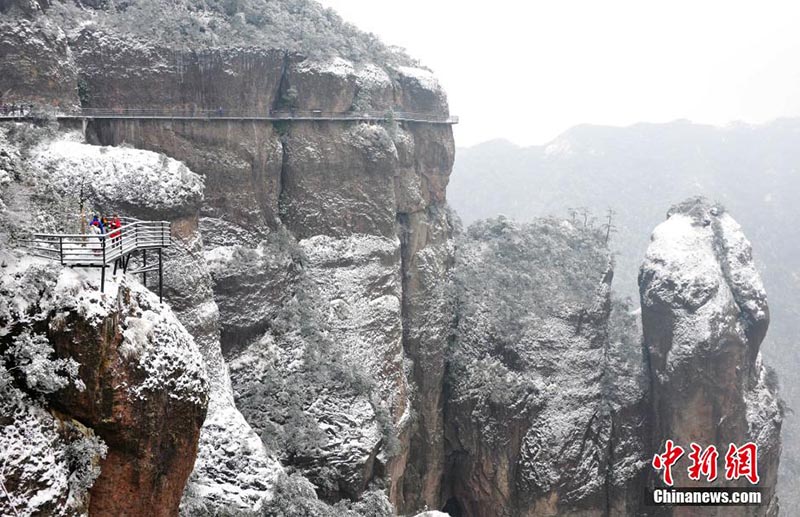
103, 267
144, 266
160, 277
61, 249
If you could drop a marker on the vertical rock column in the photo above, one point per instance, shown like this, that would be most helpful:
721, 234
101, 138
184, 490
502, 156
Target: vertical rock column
425, 156
704, 315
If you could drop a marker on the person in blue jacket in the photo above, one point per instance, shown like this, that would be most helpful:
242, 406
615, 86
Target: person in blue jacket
98, 222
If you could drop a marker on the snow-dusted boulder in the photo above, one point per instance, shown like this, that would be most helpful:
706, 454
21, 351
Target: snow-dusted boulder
122, 365
420, 91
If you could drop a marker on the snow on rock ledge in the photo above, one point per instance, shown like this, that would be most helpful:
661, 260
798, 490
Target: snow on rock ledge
117, 177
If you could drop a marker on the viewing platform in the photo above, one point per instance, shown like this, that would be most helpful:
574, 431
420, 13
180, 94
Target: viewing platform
224, 114
115, 247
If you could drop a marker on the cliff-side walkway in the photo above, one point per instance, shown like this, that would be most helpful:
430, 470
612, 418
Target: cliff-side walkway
225, 114
115, 247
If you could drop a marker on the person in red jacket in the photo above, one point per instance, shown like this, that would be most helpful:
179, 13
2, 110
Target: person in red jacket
116, 234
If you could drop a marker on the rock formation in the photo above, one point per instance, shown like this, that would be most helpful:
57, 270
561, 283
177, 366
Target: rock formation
124, 415
136, 388
704, 315
290, 207
286, 207
543, 405
550, 407
37, 63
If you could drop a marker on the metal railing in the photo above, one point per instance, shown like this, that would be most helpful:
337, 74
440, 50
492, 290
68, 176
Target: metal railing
227, 114
99, 249
114, 247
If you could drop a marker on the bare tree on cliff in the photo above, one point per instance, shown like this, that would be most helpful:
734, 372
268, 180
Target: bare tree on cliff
609, 225
584, 213
82, 205
573, 215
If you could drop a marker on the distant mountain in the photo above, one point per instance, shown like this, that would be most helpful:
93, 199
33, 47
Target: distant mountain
637, 171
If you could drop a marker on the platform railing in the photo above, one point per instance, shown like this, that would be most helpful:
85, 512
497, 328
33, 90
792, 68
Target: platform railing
228, 114
113, 247
90, 249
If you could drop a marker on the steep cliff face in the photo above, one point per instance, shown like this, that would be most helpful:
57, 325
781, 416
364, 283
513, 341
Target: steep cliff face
542, 403
287, 207
704, 315
37, 63
550, 407
292, 207
233, 467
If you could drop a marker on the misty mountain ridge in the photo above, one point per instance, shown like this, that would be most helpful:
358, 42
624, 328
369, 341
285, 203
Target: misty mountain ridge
587, 129
677, 159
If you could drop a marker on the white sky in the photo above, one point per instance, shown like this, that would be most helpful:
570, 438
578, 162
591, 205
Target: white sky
528, 70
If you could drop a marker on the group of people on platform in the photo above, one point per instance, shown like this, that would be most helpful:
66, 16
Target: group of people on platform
101, 226
15, 110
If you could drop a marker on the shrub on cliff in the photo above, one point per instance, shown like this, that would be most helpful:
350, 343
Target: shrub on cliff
32, 356
302, 26
556, 263
295, 497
